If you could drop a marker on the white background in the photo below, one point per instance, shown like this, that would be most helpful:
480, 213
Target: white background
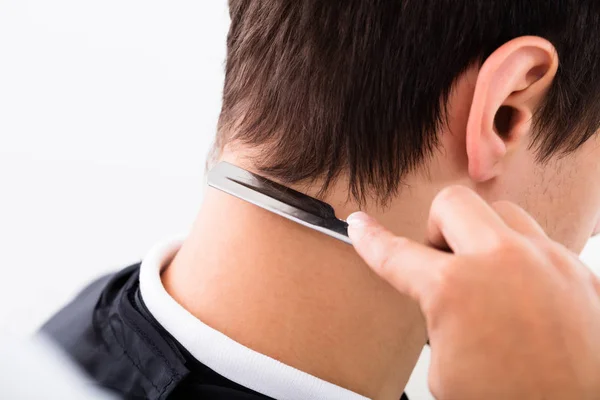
107, 111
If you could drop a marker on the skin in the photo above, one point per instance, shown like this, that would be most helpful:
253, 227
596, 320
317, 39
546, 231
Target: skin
312, 302
519, 310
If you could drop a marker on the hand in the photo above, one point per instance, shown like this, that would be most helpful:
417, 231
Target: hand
510, 314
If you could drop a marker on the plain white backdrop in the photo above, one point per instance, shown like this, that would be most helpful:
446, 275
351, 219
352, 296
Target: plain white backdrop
107, 112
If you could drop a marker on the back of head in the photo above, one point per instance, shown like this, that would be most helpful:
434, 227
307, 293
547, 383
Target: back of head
320, 89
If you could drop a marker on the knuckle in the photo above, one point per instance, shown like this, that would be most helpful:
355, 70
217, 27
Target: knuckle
507, 244
544, 246
385, 265
544, 251
401, 244
559, 258
524, 254
512, 252
388, 257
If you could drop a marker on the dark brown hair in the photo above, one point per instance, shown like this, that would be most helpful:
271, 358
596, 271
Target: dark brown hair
322, 87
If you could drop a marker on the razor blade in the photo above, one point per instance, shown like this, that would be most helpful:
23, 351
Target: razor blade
276, 198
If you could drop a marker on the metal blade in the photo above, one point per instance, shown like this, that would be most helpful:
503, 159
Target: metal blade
291, 204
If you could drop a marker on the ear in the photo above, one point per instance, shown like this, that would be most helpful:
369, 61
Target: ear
510, 86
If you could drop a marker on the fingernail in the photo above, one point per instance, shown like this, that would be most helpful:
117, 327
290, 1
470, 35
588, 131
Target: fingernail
358, 219
357, 223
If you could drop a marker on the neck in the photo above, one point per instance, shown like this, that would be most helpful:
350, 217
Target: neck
297, 296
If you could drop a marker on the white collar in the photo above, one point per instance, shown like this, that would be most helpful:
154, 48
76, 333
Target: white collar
219, 352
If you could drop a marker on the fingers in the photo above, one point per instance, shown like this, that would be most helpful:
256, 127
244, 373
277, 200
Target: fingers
518, 219
408, 266
462, 221
459, 219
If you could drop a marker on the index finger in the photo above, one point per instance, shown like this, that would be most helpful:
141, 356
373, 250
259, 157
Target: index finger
410, 267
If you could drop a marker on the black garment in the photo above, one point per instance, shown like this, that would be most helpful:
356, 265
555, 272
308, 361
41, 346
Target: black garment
109, 332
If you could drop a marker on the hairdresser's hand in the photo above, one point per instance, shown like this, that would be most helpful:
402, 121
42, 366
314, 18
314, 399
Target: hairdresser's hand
510, 314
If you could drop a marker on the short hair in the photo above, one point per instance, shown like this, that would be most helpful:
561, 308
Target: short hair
360, 87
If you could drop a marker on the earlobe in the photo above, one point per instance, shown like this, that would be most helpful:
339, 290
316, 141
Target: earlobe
510, 86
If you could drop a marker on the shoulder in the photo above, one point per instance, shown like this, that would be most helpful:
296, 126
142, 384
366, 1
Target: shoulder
81, 316
104, 332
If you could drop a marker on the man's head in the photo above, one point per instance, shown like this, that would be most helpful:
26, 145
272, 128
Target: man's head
379, 100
